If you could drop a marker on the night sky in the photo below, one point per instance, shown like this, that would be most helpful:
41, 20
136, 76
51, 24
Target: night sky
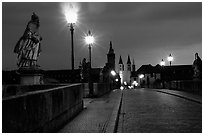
148, 32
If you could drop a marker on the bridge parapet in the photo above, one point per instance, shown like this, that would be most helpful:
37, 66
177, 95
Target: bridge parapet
42, 110
99, 89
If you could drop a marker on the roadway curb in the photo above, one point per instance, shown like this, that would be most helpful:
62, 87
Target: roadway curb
181, 96
113, 122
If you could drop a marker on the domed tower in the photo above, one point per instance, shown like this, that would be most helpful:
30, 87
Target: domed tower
121, 70
111, 57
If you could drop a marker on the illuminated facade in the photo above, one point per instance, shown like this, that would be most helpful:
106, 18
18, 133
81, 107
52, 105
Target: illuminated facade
125, 71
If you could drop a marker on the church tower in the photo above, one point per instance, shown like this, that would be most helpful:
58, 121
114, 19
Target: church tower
128, 64
133, 65
128, 71
121, 70
111, 57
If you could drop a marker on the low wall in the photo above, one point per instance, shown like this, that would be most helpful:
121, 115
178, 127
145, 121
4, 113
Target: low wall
12, 90
188, 86
43, 110
86, 90
99, 89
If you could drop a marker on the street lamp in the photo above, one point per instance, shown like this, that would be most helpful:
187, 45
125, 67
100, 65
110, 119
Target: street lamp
89, 41
141, 76
170, 59
71, 17
162, 63
113, 73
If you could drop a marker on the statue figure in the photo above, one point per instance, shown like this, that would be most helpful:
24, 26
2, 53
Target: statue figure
28, 47
84, 70
197, 67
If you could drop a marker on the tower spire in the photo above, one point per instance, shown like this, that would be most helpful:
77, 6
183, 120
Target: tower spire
111, 48
120, 60
133, 65
128, 61
111, 57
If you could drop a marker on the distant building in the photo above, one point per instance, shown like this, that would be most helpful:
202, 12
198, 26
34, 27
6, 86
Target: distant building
154, 76
125, 71
158, 76
111, 58
147, 75
121, 70
110, 65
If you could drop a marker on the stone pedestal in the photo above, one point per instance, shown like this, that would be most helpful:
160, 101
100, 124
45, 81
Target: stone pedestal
31, 76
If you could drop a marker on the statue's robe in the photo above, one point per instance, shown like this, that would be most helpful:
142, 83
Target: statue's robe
28, 47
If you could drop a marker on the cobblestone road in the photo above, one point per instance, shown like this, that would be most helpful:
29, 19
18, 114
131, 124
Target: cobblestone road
147, 111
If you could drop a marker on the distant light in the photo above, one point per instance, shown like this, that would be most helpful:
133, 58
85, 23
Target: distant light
135, 83
113, 73
116, 79
129, 87
170, 58
121, 87
89, 38
162, 63
141, 76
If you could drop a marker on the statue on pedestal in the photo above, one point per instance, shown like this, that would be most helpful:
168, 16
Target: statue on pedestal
197, 67
28, 47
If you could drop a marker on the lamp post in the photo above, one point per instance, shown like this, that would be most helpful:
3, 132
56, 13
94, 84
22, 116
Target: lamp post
113, 73
162, 63
170, 59
89, 41
141, 76
71, 17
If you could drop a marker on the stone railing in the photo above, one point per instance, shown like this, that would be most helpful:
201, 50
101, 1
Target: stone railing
12, 90
43, 110
192, 86
99, 89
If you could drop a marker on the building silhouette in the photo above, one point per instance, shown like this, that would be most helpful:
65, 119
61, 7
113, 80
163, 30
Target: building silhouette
109, 65
111, 57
